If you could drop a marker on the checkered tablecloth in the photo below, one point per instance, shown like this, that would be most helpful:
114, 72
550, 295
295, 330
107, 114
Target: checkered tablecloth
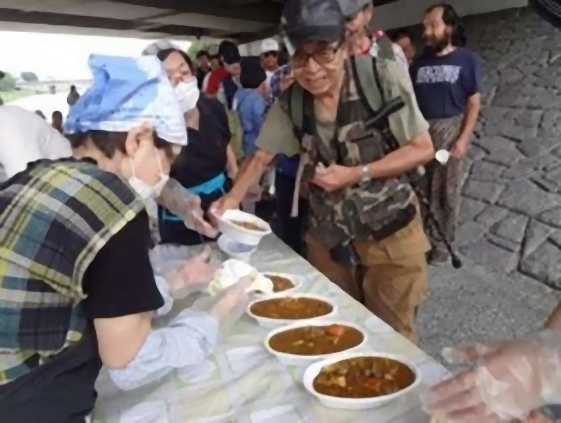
241, 382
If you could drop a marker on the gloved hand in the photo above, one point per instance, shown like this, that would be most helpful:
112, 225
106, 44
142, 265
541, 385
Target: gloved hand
179, 201
229, 305
254, 193
508, 380
192, 275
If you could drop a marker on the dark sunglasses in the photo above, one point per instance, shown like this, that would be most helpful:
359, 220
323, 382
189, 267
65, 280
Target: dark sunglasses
271, 53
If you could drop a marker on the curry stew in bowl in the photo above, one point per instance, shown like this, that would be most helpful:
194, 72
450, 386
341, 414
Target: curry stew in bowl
363, 377
280, 283
248, 225
291, 308
316, 340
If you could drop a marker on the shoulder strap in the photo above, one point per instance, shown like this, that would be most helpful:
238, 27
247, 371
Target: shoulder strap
385, 47
296, 106
367, 80
301, 109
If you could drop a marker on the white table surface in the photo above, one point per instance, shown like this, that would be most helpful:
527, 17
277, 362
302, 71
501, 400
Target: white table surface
241, 382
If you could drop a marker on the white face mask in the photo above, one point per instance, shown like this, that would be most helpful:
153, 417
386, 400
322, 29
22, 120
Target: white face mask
144, 189
187, 94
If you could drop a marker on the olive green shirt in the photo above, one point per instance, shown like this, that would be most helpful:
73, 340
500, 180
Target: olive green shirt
277, 135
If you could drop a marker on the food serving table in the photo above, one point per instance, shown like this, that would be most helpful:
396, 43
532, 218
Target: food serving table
241, 382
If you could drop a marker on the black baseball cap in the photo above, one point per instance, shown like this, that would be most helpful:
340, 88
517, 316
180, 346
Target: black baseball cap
351, 8
231, 56
312, 20
550, 10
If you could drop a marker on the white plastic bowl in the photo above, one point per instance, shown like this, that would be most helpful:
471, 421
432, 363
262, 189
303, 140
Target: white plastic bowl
292, 279
239, 234
235, 249
357, 403
304, 360
268, 323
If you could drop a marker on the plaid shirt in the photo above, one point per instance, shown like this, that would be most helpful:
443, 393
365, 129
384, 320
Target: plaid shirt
54, 219
274, 85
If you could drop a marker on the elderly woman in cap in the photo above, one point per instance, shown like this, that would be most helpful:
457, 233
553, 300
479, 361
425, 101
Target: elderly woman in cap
77, 289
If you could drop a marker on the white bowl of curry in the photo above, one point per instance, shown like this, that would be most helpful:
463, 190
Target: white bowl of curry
303, 343
281, 309
358, 381
244, 228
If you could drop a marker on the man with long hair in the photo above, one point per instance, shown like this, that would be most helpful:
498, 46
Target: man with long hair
447, 81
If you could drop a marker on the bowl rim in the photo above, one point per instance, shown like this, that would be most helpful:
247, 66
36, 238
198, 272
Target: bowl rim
292, 279
248, 218
313, 323
285, 294
313, 370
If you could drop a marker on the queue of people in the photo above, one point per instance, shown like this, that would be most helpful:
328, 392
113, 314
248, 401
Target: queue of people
157, 148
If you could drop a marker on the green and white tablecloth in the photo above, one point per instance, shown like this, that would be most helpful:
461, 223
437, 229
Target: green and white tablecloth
241, 382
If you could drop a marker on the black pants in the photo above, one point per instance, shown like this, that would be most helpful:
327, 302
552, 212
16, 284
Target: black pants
289, 229
59, 391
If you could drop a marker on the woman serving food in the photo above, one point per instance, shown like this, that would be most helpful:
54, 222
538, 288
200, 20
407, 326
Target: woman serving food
77, 289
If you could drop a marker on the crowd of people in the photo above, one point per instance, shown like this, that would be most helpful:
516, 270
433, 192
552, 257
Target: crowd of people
158, 147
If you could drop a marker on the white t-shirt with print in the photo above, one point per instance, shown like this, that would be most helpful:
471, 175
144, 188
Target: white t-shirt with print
26, 137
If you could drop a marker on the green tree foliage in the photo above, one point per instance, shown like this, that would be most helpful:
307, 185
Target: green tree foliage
195, 48
8, 83
29, 77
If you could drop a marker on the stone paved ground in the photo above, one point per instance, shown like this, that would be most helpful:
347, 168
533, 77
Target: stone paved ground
510, 232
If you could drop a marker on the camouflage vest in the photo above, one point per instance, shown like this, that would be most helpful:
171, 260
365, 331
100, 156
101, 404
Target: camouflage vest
54, 219
366, 210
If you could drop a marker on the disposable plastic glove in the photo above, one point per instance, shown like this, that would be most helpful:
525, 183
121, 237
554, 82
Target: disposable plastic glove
229, 305
179, 201
508, 380
189, 276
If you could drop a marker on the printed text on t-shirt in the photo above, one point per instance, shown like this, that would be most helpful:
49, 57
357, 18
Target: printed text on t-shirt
436, 74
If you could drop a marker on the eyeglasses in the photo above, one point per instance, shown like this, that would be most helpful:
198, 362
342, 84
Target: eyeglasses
322, 54
271, 53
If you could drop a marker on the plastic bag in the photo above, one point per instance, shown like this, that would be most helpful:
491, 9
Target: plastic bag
181, 202
507, 380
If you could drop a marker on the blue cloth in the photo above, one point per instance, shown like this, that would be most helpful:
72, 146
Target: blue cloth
206, 188
288, 166
250, 106
127, 92
443, 84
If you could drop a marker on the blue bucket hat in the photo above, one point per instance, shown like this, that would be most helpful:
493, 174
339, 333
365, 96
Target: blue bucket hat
127, 92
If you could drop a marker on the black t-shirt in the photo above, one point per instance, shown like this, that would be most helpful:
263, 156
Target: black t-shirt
119, 282
205, 156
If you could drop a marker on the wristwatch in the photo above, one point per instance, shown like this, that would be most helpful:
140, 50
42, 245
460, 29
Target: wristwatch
365, 175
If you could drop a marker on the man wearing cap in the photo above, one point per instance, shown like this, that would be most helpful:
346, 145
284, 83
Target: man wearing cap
365, 232
270, 57
362, 40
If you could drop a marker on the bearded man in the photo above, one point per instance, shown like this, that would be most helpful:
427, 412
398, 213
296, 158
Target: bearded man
447, 82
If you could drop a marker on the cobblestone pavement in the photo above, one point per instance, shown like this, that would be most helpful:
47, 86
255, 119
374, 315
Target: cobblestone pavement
510, 229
